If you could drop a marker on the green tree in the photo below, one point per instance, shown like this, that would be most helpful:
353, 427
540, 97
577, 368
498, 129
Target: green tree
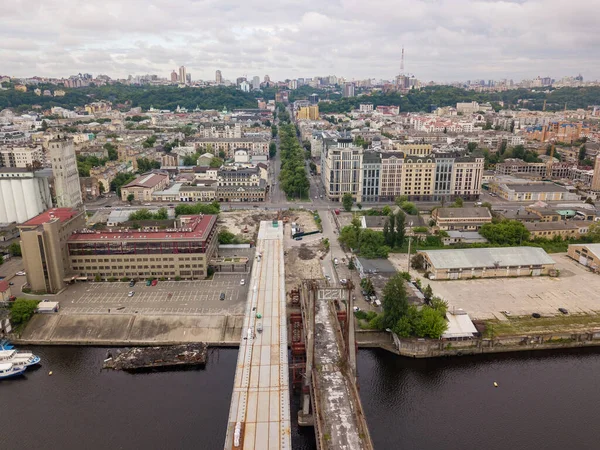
593, 233
215, 163
367, 285
113, 154
146, 165
388, 231
472, 146
409, 208
272, 150
506, 232
458, 203
372, 245
430, 324
582, 153
386, 210
14, 249
400, 199
44, 125
347, 201
1, 259
400, 229
395, 301
418, 262
21, 311
130, 198
226, 237
120, 180
349, 236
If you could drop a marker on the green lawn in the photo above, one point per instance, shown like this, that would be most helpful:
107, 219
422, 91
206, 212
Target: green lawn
530, 325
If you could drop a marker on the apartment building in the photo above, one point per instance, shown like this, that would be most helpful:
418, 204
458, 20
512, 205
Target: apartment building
143, 186
21, 156
238, 176
467, 176
184, 251
66, 175
371, 169
308, 113
220, 131
341, 170
391, 176
44, 247
418, 177
255, 145
411, 149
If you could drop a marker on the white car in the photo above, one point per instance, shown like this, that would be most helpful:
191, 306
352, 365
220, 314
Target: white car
20, 273
242, 282
131, 294
343, 281
356, 309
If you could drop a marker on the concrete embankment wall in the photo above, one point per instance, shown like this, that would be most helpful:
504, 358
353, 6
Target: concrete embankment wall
429, 348
131, 329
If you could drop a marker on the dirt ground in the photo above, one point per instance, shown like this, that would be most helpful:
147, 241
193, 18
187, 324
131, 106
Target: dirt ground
244, 223
301, 263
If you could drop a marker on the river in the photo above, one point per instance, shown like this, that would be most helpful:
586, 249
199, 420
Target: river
544, 400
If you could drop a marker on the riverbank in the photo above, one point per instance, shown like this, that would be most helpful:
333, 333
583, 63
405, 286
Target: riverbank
430, 348
131, 329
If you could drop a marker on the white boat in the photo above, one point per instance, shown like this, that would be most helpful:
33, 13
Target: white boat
18, 359
9, 370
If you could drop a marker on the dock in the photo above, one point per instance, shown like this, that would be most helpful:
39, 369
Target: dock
143, 359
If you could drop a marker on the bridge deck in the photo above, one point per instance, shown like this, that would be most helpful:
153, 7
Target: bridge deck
340, 411
259, 416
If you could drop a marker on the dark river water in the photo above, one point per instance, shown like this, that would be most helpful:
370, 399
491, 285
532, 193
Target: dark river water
545, 401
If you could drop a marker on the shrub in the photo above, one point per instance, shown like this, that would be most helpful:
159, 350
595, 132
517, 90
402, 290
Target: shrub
112, 279
177, 278
162, 279
97, 278
21, 310
125, 279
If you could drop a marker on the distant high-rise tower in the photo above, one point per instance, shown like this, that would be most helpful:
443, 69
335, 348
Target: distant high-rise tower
596, 176
349, 90
182, 75
188, 78
256, 83
173, 77
267, 79
66, 176
218, 77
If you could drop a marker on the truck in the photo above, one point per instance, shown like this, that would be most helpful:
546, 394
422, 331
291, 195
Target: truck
45, 307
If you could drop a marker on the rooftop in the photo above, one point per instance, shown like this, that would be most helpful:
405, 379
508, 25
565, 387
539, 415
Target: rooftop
62, 214
592, 248
198, 228
470, 213
488, 257
536, 187
147, 180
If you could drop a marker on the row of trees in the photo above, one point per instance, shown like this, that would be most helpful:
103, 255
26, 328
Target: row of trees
293, 177
421, 100
404, 319
144, 214
367, 243
161, 97
198, 208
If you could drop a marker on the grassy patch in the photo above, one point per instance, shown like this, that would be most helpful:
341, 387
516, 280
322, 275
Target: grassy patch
515, 326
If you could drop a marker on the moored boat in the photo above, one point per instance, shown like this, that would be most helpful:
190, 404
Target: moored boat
8, 370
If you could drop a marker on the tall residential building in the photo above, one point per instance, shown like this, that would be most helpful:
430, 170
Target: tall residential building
173, 77
596, 177
44, 247
371, 176
66, 176
188, 78
308, 113
182, 74
349, 90
218, 77
341, 170
256, 83
267, 79
21, 156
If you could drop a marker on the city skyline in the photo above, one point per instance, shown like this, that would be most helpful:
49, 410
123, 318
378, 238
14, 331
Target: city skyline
444, 41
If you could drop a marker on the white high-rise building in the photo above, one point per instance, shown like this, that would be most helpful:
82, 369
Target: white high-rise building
66, 176
256, 83
218, 77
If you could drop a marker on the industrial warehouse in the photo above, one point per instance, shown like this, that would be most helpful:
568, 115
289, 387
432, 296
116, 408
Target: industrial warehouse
487, 263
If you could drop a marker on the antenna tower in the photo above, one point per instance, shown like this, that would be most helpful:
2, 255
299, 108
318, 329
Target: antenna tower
402, 62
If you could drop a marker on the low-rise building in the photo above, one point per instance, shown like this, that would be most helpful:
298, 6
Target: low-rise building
515, 192
463, 237
44, 247
183, 252
462, 219
143, 186
487, 263
564, 229
586, 254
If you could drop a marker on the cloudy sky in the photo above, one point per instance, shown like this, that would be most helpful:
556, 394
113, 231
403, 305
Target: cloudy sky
444, 40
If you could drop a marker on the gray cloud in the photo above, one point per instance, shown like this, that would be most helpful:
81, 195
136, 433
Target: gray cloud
443, 39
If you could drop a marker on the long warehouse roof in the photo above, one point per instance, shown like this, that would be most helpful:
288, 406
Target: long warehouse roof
488, 257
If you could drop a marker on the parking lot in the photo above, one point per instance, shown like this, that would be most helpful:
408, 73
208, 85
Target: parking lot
167, 297
576, 289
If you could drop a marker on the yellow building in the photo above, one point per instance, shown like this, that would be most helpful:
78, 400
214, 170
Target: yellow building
308, 113
21, 88
418, 177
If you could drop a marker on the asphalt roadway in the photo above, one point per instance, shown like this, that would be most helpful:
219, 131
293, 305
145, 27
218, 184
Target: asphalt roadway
167, 297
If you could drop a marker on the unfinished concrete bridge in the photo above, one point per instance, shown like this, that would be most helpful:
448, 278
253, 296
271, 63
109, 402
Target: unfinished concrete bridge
323, 366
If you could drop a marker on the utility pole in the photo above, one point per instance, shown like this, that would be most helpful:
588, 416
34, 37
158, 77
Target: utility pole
409, 241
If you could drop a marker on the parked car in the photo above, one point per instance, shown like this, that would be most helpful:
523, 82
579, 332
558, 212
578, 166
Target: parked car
222, 296
20, 273
131, 294
377, 303
343, 281
148, 282
242, 282
259, 327
154, 282
536, 315
298, 238
563, 310
132, 283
